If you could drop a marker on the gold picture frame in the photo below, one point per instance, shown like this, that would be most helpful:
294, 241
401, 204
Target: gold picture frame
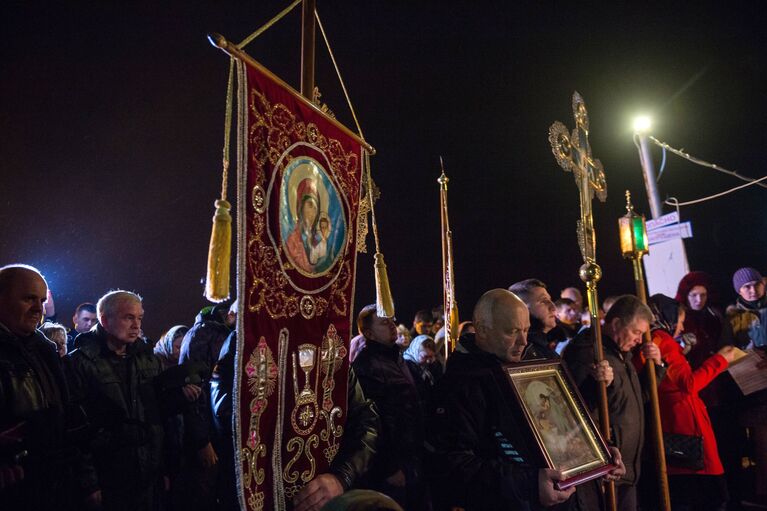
560, 425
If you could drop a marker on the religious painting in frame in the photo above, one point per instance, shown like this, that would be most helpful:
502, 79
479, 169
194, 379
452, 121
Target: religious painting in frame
312, 219
566, 436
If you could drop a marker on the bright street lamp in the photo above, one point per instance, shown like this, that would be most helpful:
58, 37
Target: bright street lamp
642, 124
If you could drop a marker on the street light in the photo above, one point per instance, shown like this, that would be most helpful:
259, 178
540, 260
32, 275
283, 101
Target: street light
642, 124
634, 245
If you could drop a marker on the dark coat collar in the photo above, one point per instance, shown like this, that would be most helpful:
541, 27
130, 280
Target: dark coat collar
94, 344
381, 349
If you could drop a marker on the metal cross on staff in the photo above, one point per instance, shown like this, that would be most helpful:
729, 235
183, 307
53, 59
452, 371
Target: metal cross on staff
573, 153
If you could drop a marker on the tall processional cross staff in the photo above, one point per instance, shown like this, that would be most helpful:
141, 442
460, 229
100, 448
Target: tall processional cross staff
573, 153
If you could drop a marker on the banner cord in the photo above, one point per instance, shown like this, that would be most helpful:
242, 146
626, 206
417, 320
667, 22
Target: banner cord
268, 24
370, 199
230, 89
338, 73
227, 128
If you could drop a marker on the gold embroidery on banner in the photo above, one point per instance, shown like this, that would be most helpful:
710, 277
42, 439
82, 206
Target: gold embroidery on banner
256, 501
316, 95
255, 497
332, 433
291, 491
294, 444
308, 475
305, 412
259, 199
282, 363
332, 353
308, 307
261, 372
273, 129
302, 448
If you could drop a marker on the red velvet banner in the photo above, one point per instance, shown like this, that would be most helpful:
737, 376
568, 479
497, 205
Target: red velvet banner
298, 201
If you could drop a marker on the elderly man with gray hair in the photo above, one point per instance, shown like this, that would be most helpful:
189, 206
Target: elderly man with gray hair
625, 324
113, 377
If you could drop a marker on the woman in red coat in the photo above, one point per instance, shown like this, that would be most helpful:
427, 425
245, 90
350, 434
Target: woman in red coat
683, 412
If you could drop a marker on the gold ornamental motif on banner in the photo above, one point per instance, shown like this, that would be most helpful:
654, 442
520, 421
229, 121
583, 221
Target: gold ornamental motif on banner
261, 373
273, 131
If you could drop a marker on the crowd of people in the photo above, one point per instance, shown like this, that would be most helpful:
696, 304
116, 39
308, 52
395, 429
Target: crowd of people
97, 416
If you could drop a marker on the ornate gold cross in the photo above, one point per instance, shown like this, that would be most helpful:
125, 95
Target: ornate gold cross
573, 153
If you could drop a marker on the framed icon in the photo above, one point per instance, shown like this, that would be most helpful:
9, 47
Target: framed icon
560, 425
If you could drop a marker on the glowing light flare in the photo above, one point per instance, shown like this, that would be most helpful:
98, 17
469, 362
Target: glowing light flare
642, 124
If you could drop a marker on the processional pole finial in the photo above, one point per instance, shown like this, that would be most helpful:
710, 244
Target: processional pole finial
449, 303
573, 153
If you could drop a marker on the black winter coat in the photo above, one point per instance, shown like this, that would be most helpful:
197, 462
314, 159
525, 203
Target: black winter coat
34, 405
127, 428
386, 380
202, 344
475, 451
624, 396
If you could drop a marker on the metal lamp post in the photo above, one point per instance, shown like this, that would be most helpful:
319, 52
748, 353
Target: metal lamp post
641, 126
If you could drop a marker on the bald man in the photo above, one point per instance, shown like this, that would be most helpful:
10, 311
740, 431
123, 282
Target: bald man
476, 449
468, 421
37, 463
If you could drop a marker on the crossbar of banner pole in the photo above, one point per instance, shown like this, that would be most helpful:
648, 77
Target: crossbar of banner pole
231, 49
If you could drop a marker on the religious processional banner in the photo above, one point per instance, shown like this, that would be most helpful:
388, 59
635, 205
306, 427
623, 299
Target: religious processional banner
298, 200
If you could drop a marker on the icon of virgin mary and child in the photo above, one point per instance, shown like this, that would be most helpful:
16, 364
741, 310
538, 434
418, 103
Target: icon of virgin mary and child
311, 243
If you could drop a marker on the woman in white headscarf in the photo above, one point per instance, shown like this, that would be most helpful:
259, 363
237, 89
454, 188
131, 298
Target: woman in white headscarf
418, 356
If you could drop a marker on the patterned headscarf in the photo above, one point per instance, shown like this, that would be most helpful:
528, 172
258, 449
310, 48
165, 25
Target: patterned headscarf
412, 351
164, 347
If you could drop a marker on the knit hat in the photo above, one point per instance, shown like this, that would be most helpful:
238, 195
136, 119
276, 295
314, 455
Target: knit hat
743, 276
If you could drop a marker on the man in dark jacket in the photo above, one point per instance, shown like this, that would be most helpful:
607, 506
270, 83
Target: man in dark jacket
202, 345
112, 375
386, 380
475, 456
544, 333
83, 320
39, 466
625, 324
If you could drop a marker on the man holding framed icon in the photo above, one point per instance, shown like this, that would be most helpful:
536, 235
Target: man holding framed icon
480, 451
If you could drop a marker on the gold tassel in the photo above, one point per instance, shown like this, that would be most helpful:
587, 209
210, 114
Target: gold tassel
219, 254
384, 301
451, 317
220, 248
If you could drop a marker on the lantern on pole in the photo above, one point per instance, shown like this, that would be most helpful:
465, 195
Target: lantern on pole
634, 245
633, 232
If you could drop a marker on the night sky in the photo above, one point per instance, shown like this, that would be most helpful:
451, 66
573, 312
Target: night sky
112, 126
